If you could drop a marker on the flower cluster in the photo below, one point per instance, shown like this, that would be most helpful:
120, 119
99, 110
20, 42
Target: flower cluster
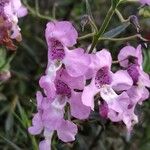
75, 81
10, 11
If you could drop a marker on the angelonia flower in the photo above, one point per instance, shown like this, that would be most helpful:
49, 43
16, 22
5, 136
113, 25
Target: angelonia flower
75, 81
145, 2
10, 11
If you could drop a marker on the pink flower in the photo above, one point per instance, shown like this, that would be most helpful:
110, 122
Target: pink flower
60, 36
13, 10
131, 59
64, 86
104, 81
50, 118
120, 109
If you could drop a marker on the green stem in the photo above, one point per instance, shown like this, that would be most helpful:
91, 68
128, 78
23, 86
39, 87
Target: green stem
92, 23
121, 39
35, 12
121, 18
103, 28
86, 36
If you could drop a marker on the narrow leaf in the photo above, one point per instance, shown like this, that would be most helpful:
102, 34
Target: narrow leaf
116, 31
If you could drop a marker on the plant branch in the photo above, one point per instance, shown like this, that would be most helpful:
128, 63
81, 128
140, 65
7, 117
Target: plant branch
86, 36
35, 12
103, 28
124, 38
120, 16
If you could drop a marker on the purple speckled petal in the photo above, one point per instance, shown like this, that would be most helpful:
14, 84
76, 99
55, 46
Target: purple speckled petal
127, 52
72, 82
98, 60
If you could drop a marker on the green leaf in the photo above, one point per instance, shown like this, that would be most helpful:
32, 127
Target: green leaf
116, 31
145, 12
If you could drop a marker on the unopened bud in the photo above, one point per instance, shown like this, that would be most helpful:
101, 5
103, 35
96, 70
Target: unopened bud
135, 22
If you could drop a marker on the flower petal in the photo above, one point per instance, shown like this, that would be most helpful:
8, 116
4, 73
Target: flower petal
67, 131
37, 125
76, 62
45, 145
88, 94
48, 85
78, 110
129, 51
121, 80
72, 82
62, 31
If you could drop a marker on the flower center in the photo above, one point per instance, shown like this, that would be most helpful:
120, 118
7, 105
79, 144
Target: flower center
56, 50
133, 72
103, 77
133, 60
62, 88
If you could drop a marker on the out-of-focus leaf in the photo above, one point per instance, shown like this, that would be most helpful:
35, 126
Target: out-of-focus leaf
10, 118
10, 143
145, 12
116, 31
9, 122
2, 56
2, 97
146, 65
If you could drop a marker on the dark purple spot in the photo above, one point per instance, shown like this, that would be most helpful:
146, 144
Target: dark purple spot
134, 73
103, 77
133, 60
56, 49
62, 88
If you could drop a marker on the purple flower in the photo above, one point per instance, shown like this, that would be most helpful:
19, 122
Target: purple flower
104, 81
64, 85
13, 10
60, 36
120, 109
50, 118
131, 59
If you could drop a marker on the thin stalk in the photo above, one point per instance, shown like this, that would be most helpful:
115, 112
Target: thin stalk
86, 36
35, 12
121, 39
103, 28
93, 25
120, 16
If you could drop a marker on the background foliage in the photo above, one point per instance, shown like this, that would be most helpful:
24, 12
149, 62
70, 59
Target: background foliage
17, 96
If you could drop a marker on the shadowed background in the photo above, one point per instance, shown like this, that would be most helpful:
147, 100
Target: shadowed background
17, 95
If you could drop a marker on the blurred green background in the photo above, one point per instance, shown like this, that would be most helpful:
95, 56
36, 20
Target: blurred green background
17, 95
